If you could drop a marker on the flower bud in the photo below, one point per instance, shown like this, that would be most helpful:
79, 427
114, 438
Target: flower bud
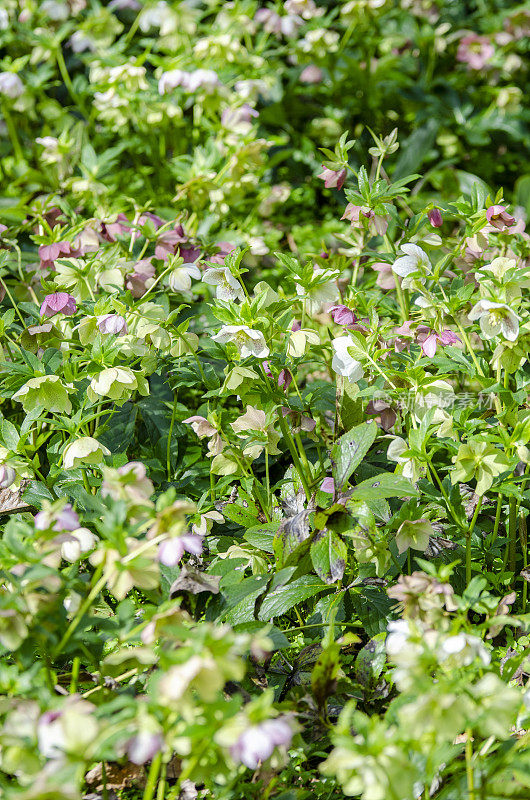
435, 218
7, 476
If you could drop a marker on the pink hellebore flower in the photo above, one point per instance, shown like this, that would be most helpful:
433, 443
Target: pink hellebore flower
58, 303
49, 252
112, 323
64, 520
499, 217
111, 230
355, 213
139, 280
328, 486
285, 379
311, 74
342, 315
333, 178
256, 744
385, 279
169, 242
171, 551
224, 249
144, 746
475, 51
429, 340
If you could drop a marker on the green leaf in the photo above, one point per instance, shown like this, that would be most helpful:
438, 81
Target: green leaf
262, 536
384, 485
328, 555
348, 451
10, 435
245, 517
283, 598
324, 674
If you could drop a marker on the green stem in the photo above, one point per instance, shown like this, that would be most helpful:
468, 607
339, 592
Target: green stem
401, 299
169, 437
468, 540
469, 766
154, 770
512, 534
68, 81
292, 448
12, 131
160, 795
75, 675
98, 582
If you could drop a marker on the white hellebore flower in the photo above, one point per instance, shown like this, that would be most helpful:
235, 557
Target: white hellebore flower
228, 288
85, 450
75, 543
316, 296
299, 340
343, 363
407, 466
247, 341
415, 260
495, 318
180, 279
10, 85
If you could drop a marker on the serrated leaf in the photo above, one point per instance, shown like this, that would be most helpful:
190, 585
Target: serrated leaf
328, 556
387, 484
348, 451
283, 598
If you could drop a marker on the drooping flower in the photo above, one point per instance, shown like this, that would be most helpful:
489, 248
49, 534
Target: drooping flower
495, 319
46, 391
499, 217
10, 85
359, 215
479, 460
328, 485
333, 178
430, 339
298, 341
171, 551
228, 287
56, 517
475, 51
7, 476
311, 75
58, 303
320, 293
85, 450
76, 543
143, 276
342, 315
143, 746
254, 420
180, 278
414, 261
203, 429
256, 744
112, 323
118, 383
249, 342
415, 534
343, 362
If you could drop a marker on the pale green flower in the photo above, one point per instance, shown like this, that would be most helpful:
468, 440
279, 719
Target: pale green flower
414, 534
82, 451
47, 391
116, 383
479, 460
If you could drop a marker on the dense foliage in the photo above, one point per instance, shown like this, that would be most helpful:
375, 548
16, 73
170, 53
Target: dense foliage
264, 419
